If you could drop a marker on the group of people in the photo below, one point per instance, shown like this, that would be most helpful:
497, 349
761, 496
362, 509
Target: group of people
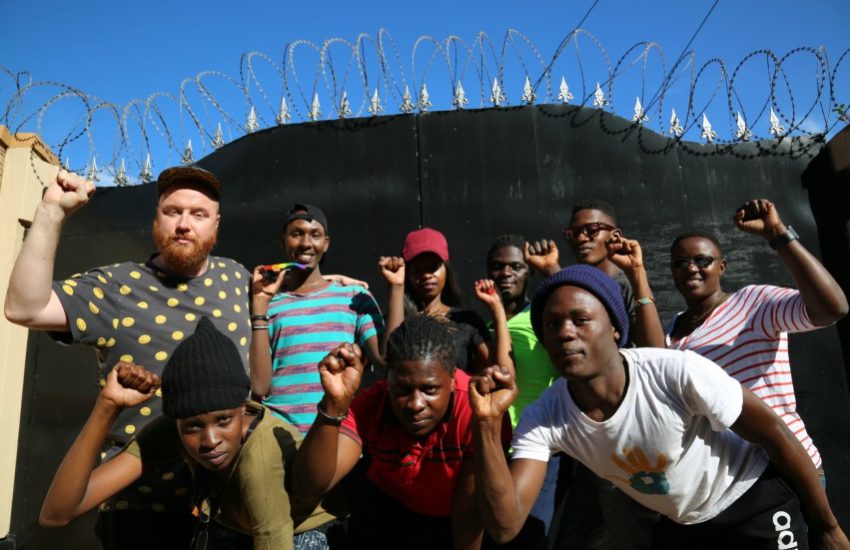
280, 408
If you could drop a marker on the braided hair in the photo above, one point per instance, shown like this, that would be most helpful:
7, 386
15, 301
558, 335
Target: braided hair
422, 337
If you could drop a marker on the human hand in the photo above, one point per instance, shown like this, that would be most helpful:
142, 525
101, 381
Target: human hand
485, 290
128, 385
491, 393
262, 289
341, 372
68, 192
624, 253
392, 270
759, 217
543, 256
346, 281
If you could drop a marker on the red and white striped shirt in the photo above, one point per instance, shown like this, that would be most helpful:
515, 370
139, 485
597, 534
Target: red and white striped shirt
747, 335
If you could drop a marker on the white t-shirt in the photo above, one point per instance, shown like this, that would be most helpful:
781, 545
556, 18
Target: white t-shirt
668, 445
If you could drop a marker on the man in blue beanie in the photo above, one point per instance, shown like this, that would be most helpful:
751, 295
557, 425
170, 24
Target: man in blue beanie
670, 429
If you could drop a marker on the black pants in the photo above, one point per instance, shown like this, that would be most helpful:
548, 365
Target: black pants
766, 517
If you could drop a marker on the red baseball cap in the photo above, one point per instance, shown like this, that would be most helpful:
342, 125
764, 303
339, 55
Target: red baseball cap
425, 240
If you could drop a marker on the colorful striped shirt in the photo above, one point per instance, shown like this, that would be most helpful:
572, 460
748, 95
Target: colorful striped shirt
747, 335
303, 329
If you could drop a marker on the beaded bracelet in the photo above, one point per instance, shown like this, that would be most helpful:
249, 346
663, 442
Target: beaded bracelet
259, 327
645, 301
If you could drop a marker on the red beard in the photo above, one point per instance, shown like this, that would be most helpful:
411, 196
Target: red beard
182, 257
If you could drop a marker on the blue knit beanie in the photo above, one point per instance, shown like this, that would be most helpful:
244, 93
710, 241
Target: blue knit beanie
592, 280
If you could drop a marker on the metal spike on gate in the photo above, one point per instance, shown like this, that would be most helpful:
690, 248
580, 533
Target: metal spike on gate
460, 99
188, 154
146, 175
497, 96
121, 176
315, 111
564, 93
708, 134
283, 115
218, 140
406, 106
639, 116
252, 125
528, 94
775, 129
743, 133
424, 99
375, 106
599, 100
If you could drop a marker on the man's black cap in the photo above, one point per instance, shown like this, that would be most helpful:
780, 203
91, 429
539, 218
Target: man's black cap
307, 212
190, 173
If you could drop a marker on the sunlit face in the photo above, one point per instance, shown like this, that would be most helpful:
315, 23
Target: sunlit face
691, 280
426, 275
507, 267
213, 439
577, 333
419, 393
589, 248
305, 242
185, 227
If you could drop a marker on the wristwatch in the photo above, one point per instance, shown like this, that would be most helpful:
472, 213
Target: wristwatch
784, 238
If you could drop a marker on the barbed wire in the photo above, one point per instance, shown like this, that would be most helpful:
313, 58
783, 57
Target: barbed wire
367, 77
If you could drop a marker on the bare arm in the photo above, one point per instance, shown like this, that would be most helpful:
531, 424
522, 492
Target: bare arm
759, 424
824, 299
485, 291
77, 486
392, 270
326, 455
505, 496
626, 254
259, 358
30, 300
467, 530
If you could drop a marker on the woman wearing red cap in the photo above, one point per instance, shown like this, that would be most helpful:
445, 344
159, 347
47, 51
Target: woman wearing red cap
421, 281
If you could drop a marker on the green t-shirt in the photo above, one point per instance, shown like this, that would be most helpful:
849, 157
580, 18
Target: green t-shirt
253, 499
534, 370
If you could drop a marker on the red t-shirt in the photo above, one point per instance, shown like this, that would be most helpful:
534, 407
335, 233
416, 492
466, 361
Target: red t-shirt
421, 473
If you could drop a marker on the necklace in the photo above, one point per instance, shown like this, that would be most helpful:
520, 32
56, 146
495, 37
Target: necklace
696, 321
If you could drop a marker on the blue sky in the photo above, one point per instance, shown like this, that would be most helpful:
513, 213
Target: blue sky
121, 51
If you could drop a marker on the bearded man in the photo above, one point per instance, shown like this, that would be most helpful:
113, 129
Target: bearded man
137, 312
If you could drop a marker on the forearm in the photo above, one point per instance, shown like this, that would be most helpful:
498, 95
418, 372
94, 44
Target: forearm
824, 299
30, 284
647, 330
497, 496
317, 458
71, 482
395, 314
502, 337
259, 358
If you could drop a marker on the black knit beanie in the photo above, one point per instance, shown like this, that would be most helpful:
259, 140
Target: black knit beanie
204, 374
593, 280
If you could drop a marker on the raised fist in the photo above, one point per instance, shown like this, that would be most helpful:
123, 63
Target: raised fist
129, 384
543, 256
491, 392
624, 253
485, 290
69, 192
392, 270
341, 372
759, 217
263, 288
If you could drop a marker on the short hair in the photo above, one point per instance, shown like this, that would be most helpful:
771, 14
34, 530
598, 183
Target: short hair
595, 204
422, 337
696, 233
508, 240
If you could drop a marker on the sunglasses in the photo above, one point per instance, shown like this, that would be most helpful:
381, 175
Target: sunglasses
588, 229
700, 261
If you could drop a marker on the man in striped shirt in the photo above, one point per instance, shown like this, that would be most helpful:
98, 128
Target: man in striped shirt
300, 317
746, 332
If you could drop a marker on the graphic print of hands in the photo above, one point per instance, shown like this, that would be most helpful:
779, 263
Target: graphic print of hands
643, 476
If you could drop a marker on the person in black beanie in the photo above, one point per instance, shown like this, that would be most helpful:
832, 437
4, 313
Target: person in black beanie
239, 453
670, 429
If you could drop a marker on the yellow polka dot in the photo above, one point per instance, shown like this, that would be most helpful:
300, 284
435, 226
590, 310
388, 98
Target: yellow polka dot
81, 324
145, 411
153, 288
238, 291
145, 490
93, 308
122, 505
110, 342
129, 429
101, 382
70, 282
143, 305
237, 274
243, 341
237, 308
127, 358
102, 279
135, 275
159, 319
182, 287
158, 392
208, 282
98, 292
144, 339
222, 295
115, 324
224, 277
109, 274
221, 264
128, 322
232, 327
216, 313
161, 356
177, 335
101, 341
168, 476
191, 316
102, 456
157, 507
125, 290
172, 302
199, 301
181, 491
68, 290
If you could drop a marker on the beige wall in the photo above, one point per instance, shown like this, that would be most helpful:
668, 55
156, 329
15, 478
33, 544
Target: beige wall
24, 164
